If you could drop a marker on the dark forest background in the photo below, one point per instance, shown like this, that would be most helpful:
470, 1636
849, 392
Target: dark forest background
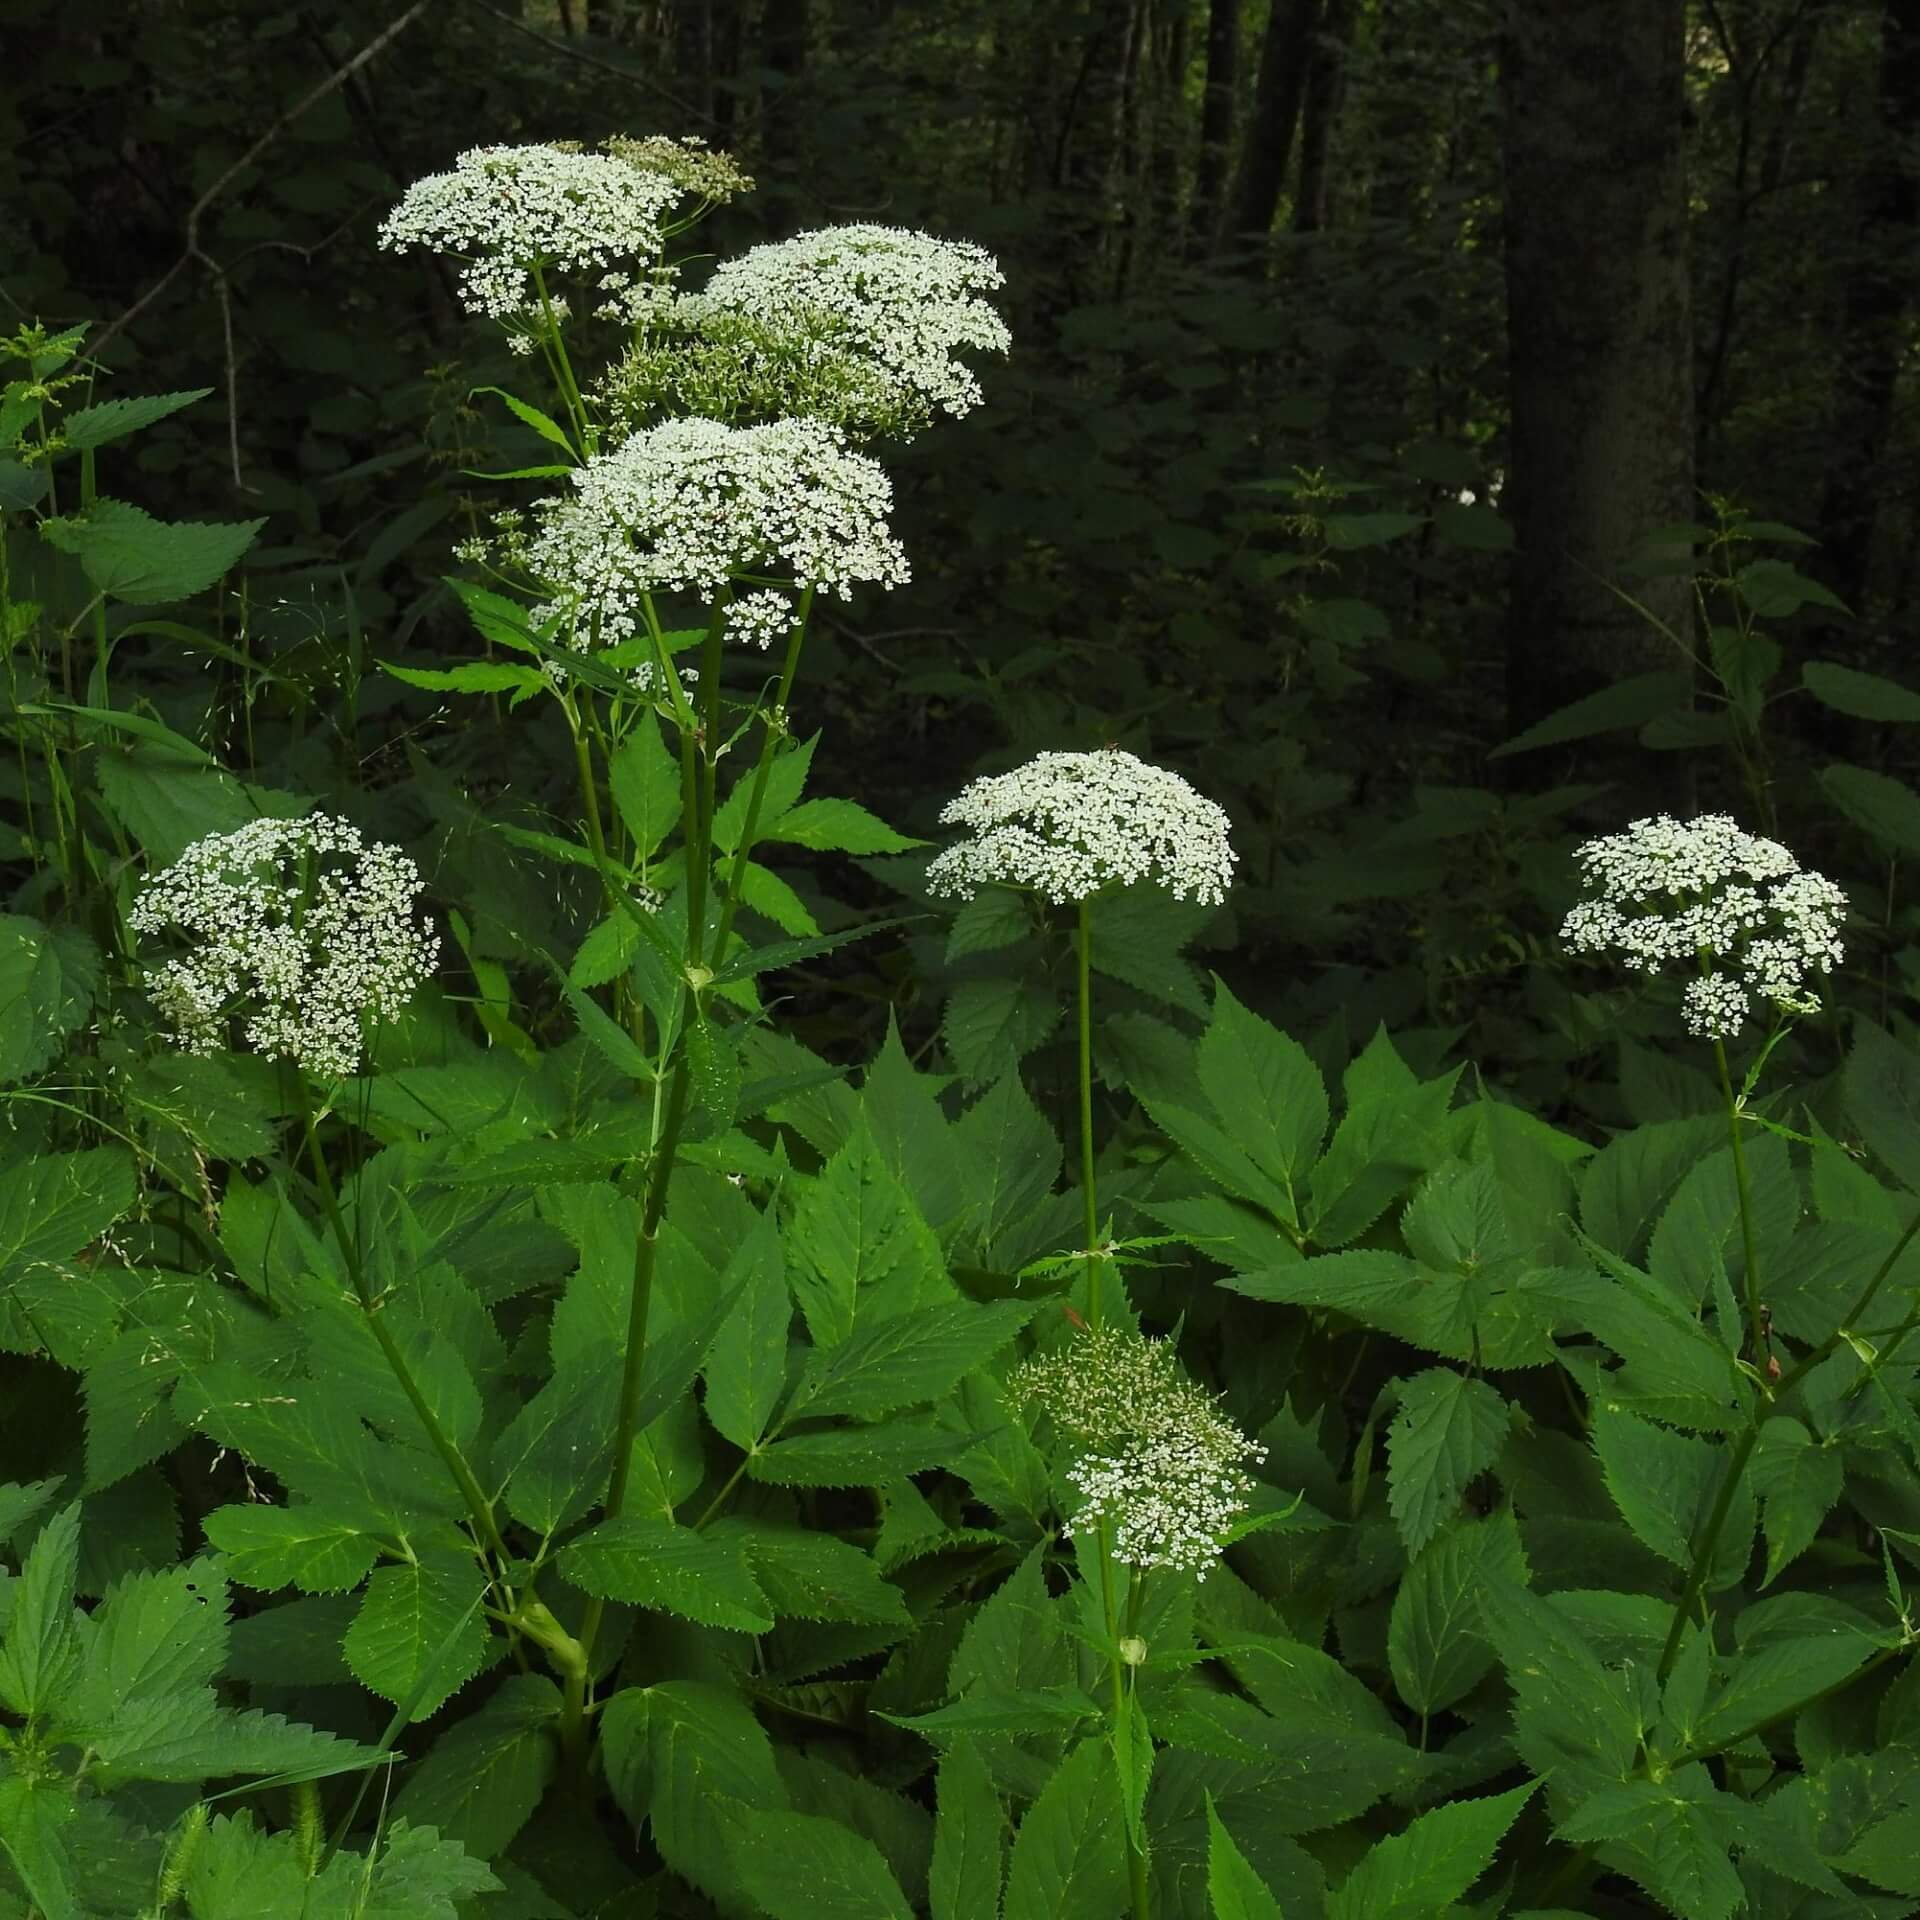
1388, 375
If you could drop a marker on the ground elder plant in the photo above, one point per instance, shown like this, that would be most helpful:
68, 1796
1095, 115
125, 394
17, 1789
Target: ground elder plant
494, 1422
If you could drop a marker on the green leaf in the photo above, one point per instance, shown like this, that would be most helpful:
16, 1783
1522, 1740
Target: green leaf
482, 1779
646, 788
991, 1025
531, 416
1431, 1864
1881, 1083
1068, 1859
1766, 1681
674, 1753
306, 1547
908, 1359
1672, 1836
747, 1363
838, 826
1036, 1710
1264, 1089
1132, 1742
1798, 1480
126, 553
863, 1252
799, 1867
110, 420
472, 676
857, 1456
994, 919
1237, 1892
1448, 1429
785, 779
34, 1816
19, 1503
1663, 1483
41, 1655
1008, 1162
1867, 696
969, 1838
1773, 589
1885, 808
1436, 1644
813, 1576
653, 1563
1468, 524
419, 1635
54, 1204
47, 983
1627, 703
1015, 1640
1346, 531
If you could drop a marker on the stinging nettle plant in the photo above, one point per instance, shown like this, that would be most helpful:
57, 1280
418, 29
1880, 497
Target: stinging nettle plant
622, 1464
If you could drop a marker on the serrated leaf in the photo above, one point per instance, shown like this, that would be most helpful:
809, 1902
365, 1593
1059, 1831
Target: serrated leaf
991, 1025
856, 1456
1236, 1891
1570, 1711
1448, 1429
40, 1655
1431, 1864
837, 826
47, 982
747, 1363
907, 1359
1068, 1860
1886, 808
1672, 1836
109, 420
1663, 1484
813, 1576
1264, 1088
419, 1635
653, 1563
530, 416
1798, 1481
305, 1547
482, 1779
1037, 1710
1436, 1645
969, 1838
1867, 696
646, 788
1627, 703
800, 1867
128, 554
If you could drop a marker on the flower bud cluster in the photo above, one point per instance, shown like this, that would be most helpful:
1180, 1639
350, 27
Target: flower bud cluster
505, 210
906, 301
687, 505
1160, 1463
1733, 909
298, 929
1069, 825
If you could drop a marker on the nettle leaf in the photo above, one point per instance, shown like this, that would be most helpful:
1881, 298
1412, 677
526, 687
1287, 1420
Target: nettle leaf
420, 1635
1437, 1646
994, 919
51, 1206
126, 553
1664, 1484
654, 1563
41, 1654
482, 1779
1069, 1861
1432, 1863
108, 420
1264, 1088
969, 1838
1448, 1429
674, 1755
800, 1867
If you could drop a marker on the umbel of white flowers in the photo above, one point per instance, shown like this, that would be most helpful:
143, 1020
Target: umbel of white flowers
298, 929
687, 505
1159, 1463
1736, 911
506, 210
1070, 824
905, 301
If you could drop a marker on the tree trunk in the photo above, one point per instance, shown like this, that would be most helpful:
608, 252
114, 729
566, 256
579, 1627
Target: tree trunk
1326, 83
1874, 302
1216, 125
1285, 53
1599, 344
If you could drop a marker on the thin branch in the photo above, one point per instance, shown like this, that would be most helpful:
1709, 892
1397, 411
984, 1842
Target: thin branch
192, 250
567, 51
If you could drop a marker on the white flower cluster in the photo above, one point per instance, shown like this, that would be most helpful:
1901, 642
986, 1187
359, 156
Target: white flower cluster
1735, 909
761, 618
1070, 824
908, 301
688, 162
687, 505
298, 929
1163, 1465
504, 209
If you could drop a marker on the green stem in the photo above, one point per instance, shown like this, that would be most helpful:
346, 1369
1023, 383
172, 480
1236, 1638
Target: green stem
478, 1505
590, 795
1709, 1541
562, 367
773, 727
1088, 1192
1741, 1187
